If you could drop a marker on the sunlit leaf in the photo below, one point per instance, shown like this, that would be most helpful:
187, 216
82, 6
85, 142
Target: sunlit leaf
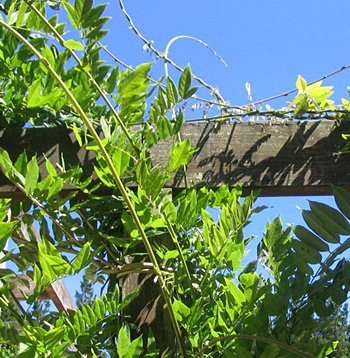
180, 154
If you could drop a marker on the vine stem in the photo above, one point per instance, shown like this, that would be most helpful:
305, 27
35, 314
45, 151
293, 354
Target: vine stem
163, 56
116, 177
254, 338
284, 94
91, 78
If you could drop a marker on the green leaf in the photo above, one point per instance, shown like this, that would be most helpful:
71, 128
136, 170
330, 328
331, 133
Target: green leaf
301, 84
306, 252
74, 45
82, 10
319, 227
112, 80
302, 105
120, 160
309, 238
21, 12
332, 218
52, 264
237, 297
89, 314
165, 128
171, 91
6, 230
135, 348
181, 310
180, 154
32, 176
185, 82
99, 308
123, 343
50, 168
342, 198
71, 14
178, 122
47, 53
83, 258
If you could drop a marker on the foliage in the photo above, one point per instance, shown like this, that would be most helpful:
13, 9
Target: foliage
86, 294
215, 304
338, 329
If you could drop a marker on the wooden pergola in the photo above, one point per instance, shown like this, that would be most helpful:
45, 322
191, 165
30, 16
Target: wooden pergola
283, 159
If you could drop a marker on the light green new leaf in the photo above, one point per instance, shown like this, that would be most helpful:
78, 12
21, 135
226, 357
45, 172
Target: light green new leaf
21, 12
6, 230
180, 154
74, 45
342, 198
32, 176
135, 348
123, 343
47, 53
82, 258
301, 84
181, 310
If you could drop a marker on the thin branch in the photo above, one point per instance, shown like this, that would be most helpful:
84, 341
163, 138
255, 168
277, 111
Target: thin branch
166, 52
284, 94
214, 91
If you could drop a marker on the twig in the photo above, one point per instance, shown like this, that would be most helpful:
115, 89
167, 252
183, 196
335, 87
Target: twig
165, 58
284, 94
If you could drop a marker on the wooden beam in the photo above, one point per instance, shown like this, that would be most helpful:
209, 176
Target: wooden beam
294, 158
24, 285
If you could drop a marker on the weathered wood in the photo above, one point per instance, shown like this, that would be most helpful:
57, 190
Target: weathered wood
294, 158
24, 285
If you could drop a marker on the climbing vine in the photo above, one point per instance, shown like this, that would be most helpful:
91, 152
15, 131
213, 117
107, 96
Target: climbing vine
211, 303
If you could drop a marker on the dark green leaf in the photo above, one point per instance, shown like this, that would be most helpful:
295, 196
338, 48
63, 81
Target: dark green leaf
112, 80
306, 252
319, 227
185, 82
309, 238
178, 122
342, 198
331, 218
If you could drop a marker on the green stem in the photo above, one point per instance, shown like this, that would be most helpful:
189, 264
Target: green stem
116, 177
254, 338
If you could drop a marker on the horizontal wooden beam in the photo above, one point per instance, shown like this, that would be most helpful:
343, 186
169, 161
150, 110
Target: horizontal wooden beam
293, 158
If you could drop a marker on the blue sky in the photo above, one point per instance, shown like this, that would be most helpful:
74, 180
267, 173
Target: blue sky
266, 43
